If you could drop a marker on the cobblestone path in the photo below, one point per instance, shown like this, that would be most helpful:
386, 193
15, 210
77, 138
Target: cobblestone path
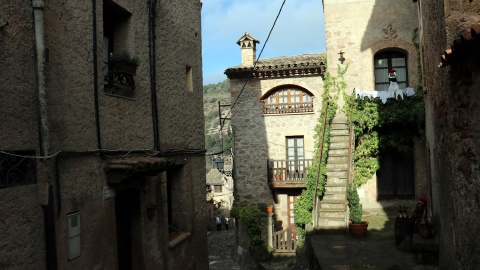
221, 248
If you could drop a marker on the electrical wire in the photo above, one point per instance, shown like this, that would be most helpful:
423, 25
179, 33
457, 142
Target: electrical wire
254, 65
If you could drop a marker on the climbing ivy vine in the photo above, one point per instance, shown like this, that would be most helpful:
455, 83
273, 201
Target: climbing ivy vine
381, 126
333, 85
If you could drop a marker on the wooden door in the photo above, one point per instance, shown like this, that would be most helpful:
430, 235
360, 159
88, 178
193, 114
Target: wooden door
395, 179
295, 157
291, 215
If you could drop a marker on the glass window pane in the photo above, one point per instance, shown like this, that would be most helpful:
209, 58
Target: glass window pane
381, 86
290, 142
381, 75
398, 62
291, 199
292, 220
300, 142
291, 152
402, 85
381, 63
401, 74
300, 152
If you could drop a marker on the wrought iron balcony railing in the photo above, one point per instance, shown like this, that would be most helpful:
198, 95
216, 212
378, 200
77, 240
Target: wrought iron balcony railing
17, 170
288, 108
288, 170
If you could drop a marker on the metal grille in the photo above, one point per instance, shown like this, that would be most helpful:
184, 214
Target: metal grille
15, 170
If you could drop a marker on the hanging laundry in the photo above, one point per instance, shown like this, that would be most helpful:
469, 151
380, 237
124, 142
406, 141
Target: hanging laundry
410, 92
399, 93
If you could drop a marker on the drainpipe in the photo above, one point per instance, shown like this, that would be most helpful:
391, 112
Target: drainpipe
37, 6
49, 225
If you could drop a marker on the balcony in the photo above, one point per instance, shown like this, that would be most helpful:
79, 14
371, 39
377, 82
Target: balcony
288, 173
288, 108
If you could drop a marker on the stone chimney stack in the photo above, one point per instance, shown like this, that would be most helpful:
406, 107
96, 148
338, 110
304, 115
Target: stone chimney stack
249, 49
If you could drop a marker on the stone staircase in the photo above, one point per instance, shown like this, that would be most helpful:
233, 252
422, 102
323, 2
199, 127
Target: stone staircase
333, 208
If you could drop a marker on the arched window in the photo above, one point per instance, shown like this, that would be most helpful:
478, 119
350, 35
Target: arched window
384, 62
288, 100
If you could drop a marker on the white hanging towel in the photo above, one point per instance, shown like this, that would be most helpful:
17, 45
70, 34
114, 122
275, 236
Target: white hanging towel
410, 91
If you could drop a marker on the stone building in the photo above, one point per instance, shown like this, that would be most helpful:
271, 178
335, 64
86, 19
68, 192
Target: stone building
450, 45
274, 114
373, 37
95, 161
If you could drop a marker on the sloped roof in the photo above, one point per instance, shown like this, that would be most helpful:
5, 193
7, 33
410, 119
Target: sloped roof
214, 177
247, 36
461, 46
303, 64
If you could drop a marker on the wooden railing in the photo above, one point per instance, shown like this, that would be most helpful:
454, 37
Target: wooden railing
288, 170
288, 108
286, 241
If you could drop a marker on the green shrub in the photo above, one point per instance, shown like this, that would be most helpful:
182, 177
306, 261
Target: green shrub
356, 209
251, 219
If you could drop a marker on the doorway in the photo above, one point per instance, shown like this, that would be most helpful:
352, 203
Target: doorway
395, 179
128, 220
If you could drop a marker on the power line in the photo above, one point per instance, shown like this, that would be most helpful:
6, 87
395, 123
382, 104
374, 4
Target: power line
254, 65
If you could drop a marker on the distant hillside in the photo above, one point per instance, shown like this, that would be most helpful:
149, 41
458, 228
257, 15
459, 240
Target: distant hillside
212, 93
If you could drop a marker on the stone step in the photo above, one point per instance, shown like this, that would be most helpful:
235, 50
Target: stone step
332, 215
334, 196
339, 132
337, 166
337, 159
339, 138
339, 145
330, 224
336, 189
339, 126
337, 173
333, 204
340, 119
338, 152
336, 182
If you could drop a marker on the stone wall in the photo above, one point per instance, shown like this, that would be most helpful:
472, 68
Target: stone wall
451, 97
258, 136
361, 29
124, 124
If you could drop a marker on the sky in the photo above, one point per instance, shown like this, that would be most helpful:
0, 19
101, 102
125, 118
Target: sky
300, 29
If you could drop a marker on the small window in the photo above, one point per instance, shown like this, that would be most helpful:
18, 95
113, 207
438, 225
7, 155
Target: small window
118, 40
288, 100
73, 235
189, 79
384, 62
218, 189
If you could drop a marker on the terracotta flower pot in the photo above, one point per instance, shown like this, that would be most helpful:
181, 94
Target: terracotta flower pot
358, 230
269, 209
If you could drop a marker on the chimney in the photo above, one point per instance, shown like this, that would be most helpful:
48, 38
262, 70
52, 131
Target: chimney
249, 49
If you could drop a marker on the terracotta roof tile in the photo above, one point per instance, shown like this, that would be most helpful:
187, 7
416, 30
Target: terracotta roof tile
214, 177
461, 46
282, 66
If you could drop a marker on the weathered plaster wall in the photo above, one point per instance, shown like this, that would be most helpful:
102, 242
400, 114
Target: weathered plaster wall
452, 131
357, 27
22, 242
124, 124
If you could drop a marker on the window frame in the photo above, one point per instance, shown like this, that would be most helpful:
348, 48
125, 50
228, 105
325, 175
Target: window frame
390, 54
272, 102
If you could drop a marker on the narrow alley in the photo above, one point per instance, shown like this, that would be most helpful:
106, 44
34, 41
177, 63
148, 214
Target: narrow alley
221, 248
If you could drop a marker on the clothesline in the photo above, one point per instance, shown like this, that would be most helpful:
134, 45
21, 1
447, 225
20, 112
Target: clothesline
384, 95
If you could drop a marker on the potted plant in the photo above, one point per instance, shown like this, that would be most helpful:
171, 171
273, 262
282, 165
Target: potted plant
124, 62
357, 226
278, 175
269, 208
